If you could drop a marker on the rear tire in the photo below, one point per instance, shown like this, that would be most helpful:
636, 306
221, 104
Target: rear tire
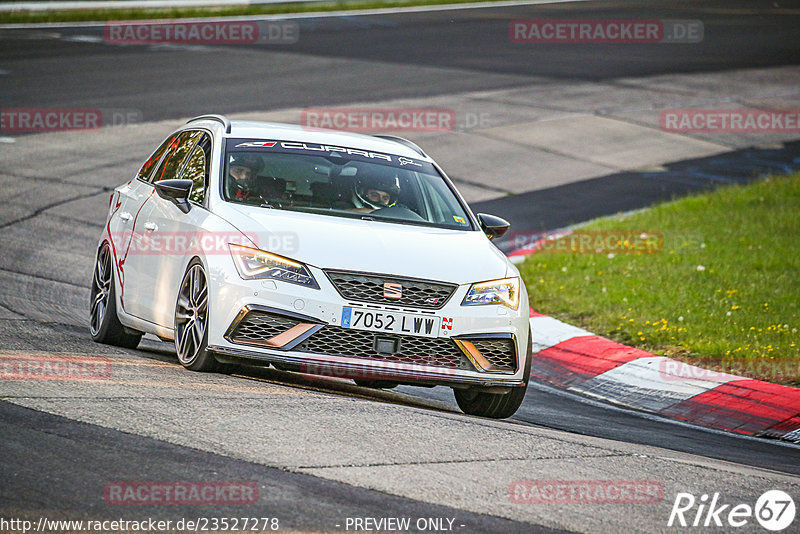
191, 321
104, 325
496, 406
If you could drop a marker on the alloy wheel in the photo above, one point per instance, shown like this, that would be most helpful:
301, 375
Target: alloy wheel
191, 315
101, 290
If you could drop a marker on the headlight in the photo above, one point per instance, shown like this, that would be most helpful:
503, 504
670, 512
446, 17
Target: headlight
504, 292
253, 263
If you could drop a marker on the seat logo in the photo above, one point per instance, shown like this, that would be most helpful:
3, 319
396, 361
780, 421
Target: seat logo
392, 291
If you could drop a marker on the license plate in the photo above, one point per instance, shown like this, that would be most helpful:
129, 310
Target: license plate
390, 322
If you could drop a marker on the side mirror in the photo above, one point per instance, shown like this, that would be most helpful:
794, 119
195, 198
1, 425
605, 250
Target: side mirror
176, 191
492, 225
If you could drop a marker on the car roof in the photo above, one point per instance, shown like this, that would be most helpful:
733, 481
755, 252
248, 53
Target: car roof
292, 132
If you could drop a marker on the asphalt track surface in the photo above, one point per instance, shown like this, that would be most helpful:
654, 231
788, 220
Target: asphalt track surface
402, 55
92, 454
58, 463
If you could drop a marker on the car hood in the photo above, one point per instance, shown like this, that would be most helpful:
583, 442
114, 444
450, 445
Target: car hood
371, 246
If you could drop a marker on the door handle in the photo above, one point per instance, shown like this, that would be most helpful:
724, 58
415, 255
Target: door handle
150, 226
125, 216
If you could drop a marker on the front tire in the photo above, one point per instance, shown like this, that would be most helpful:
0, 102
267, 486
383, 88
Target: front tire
191, 321
104, 325
496, 406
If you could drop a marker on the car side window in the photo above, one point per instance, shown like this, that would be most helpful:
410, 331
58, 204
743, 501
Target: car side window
179, 150
196, 169
150, 164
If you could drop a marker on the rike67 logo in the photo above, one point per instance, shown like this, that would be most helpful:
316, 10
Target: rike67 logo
774, 510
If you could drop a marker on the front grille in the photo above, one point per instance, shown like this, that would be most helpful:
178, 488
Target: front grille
499, 351
271, 329
337, 341
369, 288
259, 326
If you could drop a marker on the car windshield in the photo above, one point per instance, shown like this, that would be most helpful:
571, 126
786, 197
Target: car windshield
339, 181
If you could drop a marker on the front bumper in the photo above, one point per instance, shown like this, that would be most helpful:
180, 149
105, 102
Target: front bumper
361, 370
298, 328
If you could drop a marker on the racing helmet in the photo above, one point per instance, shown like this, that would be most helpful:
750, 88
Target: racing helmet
376, 192
244, 159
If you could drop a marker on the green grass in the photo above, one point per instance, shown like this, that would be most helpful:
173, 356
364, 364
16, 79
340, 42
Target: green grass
723, 289
19, 17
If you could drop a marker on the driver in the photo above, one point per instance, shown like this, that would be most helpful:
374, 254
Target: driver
242, 172
376, 193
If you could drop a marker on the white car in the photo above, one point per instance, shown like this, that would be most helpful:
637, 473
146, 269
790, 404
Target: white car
316, 251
